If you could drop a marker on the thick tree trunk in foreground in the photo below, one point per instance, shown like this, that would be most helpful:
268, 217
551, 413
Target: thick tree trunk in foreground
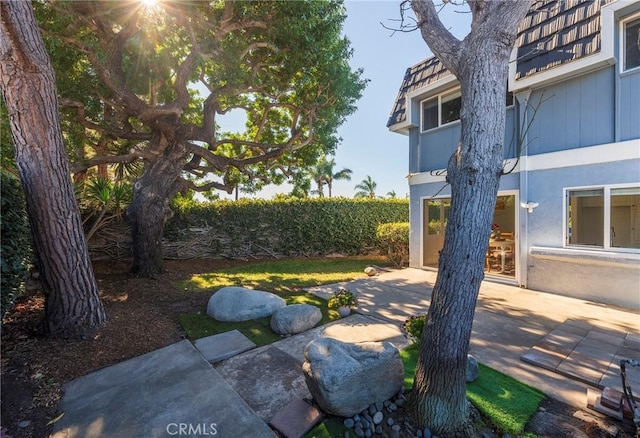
72, 304
149, 209
480, 62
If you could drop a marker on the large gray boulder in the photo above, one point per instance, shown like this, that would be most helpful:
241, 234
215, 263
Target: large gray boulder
240, 304
344, 378
295, 318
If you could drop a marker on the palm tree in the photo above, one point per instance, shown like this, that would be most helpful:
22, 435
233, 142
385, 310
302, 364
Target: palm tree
301, 187
322, 174
318, 174
342, 174
392, 194
366, 189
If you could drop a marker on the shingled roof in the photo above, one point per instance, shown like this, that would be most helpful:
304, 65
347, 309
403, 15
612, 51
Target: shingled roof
554, 32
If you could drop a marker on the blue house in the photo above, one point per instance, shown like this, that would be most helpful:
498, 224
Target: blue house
567, 217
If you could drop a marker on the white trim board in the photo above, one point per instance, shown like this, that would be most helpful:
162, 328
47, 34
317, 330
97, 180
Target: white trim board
604, 153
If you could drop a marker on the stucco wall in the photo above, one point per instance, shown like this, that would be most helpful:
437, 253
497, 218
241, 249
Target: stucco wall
603, 277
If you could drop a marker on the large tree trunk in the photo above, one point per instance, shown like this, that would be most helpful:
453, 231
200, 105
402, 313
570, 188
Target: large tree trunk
480, 62
72, 304
149, 209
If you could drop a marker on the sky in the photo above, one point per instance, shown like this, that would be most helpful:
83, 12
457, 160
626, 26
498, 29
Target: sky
368, 148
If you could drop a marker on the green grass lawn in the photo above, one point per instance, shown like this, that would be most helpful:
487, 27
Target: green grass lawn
286, 278
503, 400
285, 275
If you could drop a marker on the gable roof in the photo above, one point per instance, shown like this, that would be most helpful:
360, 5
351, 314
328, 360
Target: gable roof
553, 33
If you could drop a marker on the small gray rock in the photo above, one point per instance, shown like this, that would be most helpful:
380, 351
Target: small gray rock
358, 431
348, 422
378, 429
371, 271
426, 433
393, 407
419, 433
472, 368
379, 406
367, 433
372, 409
378, 417
487, 433
390, 421
356, 418
24, 423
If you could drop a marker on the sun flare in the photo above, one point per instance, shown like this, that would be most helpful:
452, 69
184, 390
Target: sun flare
149, 4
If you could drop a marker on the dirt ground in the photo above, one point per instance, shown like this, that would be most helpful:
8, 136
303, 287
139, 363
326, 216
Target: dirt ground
142, 315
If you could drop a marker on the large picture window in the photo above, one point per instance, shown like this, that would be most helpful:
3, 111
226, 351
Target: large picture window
606, 217
631, 43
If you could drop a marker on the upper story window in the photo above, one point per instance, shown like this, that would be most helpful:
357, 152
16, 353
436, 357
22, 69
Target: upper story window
445, 108
604, 217
631, 43
441, 110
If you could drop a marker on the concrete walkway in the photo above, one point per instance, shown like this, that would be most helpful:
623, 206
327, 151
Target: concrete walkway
168, 391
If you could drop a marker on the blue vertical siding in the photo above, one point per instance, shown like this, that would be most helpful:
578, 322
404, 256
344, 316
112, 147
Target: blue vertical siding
437, 145
414, 152
511, 135
575, 113
630, 105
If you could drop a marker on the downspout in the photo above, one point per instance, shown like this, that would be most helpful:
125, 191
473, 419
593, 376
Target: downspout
522, 99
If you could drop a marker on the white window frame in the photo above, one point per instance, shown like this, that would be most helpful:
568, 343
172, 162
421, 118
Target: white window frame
448, 93
623, 42
457, 92
607, 218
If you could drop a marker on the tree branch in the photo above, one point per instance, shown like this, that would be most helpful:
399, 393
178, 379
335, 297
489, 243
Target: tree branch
442, 43
135, 154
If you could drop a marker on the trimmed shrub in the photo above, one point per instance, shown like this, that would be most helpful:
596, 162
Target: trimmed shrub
394, 238
413, 327
291, 227
16, 243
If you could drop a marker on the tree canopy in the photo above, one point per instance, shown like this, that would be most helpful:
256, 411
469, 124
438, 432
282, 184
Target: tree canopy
150, 84
126, 69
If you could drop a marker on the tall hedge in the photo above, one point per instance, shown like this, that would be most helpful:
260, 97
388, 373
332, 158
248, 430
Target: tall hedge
295, 227
16, 242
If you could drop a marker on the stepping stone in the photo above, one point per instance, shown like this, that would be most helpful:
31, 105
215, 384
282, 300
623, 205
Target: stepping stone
267, 378
152, 396
224, 345
296, 419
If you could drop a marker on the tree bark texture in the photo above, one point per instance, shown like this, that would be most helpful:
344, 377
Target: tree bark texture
149, 209
72, 303
480, 62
